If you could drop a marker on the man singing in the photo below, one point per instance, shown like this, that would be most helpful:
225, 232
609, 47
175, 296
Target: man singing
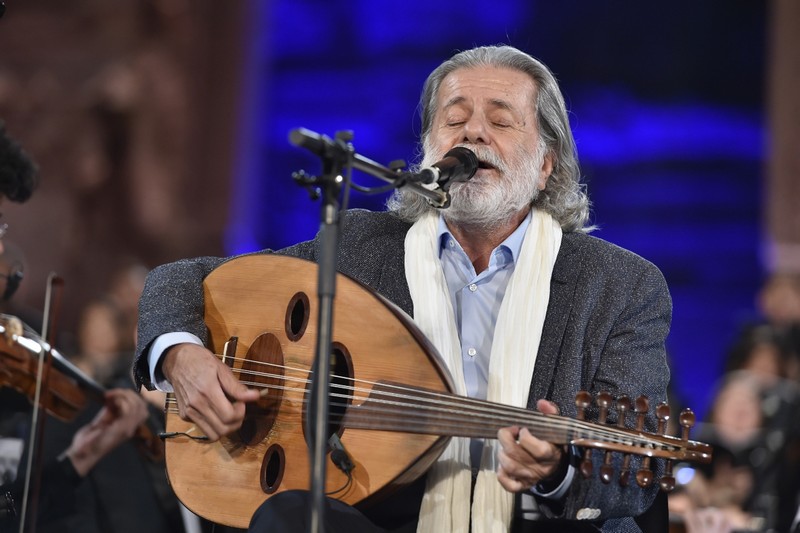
524, 306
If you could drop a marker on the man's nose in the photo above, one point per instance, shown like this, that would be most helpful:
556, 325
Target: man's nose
475, 131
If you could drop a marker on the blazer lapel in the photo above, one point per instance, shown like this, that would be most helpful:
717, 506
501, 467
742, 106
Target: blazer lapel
392, 278
562, 288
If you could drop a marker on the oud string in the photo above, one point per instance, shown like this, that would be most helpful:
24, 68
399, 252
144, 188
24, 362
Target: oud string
403, 407
478, 408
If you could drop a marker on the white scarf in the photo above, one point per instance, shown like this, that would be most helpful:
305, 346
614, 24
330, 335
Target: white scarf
446, 504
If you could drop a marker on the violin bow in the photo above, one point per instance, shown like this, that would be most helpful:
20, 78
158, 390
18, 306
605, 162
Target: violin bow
51, 308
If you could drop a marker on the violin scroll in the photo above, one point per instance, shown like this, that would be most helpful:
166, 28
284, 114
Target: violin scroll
13, 328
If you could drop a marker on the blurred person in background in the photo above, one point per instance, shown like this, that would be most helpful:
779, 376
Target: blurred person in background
769, 352
754, 480
778, 301
72, 453
107, 328
722, 496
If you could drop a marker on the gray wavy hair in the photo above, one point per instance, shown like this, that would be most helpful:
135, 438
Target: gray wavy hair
565, 196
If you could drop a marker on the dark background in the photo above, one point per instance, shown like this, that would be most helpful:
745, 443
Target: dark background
667, 106
161, 126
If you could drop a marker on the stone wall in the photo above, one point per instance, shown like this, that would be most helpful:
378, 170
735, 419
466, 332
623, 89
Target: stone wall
129, 109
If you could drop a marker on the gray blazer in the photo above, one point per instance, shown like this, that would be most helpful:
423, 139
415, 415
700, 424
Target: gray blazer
605, 329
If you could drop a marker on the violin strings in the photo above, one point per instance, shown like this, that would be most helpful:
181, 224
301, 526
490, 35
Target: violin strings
457, 415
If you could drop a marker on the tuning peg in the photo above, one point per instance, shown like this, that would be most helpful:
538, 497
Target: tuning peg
667, 481
687, 421
606, 471
641, 408
587, 467
604, 403
663, 415
644, 476
625, 471
604, 400
582, 402
623, 406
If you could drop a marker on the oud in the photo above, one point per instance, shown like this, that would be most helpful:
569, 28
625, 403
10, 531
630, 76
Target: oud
392, 409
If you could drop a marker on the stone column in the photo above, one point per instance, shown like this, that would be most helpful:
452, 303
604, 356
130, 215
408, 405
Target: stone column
782, 196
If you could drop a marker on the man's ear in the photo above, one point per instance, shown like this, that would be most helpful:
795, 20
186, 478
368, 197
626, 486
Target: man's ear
546, 170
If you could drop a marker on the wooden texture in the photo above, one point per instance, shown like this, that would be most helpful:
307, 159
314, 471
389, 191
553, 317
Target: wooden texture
247, 298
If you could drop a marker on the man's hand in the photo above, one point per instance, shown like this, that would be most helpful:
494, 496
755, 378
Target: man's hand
525, 460
208, 393
116, 422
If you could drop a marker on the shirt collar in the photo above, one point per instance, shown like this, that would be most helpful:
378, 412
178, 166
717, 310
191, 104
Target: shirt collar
511, 246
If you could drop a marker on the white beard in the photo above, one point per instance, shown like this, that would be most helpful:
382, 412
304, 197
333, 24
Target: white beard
489, 202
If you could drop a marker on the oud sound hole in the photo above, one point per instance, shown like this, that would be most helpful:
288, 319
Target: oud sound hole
341, 392
297, 313
263, 370
272, 467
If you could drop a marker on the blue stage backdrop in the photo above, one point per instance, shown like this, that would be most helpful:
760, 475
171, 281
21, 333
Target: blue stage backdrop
667, 110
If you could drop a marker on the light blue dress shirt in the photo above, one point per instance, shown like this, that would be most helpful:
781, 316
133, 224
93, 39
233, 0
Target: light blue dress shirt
476, 299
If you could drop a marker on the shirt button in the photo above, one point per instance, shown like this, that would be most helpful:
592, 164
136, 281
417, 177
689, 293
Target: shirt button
472, 352
451, 244
473, 287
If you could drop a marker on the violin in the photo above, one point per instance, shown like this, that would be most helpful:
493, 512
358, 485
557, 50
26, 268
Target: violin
65, 390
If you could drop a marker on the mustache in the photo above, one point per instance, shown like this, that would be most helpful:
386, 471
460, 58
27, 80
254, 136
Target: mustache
487, 158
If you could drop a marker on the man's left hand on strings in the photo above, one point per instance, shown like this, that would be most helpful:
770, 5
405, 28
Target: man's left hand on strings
525, 460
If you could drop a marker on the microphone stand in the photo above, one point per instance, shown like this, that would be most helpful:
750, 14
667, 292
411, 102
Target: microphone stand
338, 159
336, 156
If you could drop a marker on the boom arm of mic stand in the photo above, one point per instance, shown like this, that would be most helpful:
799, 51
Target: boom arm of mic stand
317, 144
437, 197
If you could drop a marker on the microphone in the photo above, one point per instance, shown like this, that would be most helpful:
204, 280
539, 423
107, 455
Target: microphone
459, 164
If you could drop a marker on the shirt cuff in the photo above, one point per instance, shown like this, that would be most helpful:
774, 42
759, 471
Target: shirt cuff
157, 351
559, 491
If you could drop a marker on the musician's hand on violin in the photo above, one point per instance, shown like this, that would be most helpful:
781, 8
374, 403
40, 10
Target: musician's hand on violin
208, 393
525, 460
116, 422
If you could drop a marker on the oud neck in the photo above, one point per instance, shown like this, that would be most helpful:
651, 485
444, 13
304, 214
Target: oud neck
413, 410
401, 408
